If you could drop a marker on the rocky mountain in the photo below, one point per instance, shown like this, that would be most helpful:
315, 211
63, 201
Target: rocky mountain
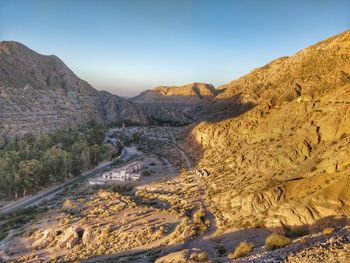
181, 105
285, 162
176, 104
313, 71
40, 93
194, 92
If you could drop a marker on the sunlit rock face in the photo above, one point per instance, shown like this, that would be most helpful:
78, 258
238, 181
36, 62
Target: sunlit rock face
284, 162
40, 93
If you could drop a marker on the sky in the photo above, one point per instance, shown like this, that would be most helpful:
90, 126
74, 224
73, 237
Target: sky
127, 46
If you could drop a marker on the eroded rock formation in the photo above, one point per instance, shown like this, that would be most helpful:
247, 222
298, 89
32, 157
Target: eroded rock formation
285, 161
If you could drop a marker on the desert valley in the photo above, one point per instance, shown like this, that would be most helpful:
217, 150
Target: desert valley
255, 170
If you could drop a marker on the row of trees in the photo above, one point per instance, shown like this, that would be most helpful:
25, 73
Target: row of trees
31, 163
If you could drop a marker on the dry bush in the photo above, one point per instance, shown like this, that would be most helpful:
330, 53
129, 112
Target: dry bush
241, 250
199, 256
296, 232
220, 250
275, 241
199, 219
184, 230
327, 231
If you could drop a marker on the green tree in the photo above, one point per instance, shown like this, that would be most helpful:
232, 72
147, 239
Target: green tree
58, 163
9, 171
96, 134
79, 159
30, 175
95, 154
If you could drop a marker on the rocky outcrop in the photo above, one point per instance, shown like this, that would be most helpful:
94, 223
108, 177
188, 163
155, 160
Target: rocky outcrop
40, 93
70, 237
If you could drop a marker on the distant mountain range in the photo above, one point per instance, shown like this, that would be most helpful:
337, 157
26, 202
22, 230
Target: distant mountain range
40, 93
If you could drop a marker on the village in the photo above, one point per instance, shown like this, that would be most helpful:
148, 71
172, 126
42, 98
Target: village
138, 164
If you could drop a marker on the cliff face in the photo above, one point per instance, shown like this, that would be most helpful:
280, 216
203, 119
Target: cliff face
285, 161
40, 93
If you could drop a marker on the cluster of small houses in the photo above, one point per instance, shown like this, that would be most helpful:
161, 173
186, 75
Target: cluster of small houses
129, 173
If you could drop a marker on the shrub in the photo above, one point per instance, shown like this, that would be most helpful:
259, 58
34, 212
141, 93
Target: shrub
275, 241
313, 169
202, 256
296, 232
199, 256
241, 250
221, 250
199, 216
327, 231
200, 221
259, 224
145, 173
343, 136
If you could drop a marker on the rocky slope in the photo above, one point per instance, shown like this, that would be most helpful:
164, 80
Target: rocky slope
40, 93
181, 105
313, 71
284, 163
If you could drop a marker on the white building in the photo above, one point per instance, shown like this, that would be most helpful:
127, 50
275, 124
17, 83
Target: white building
131, 172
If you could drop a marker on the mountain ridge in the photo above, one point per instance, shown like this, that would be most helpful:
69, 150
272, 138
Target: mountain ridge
303, 72
40, 93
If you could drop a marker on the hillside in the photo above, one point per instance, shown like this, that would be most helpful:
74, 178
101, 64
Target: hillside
285, 162
313, 71
187, 93
40, 93
176, 105
181, 105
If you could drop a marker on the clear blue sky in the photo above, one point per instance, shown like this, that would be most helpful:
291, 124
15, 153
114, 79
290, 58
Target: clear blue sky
128, 46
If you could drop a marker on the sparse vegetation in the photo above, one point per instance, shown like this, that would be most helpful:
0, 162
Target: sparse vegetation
296, 231
221, 250
276, 241
241, 250
18, 219
199, 256
328, 231
200, 221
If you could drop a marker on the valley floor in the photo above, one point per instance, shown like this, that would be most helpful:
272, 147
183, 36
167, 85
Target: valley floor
163, 218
